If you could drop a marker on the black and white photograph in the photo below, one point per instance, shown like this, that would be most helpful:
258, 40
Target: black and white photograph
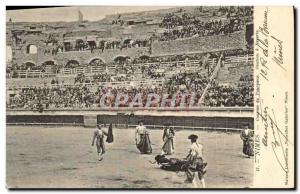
130, 97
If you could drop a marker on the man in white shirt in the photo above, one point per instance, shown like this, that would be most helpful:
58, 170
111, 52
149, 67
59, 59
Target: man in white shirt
98, 135
142, 139
195, 162
140, 129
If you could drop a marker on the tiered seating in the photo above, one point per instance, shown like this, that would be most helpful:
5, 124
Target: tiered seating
233, 85
165, 67
68, 94
234, 67
37, 82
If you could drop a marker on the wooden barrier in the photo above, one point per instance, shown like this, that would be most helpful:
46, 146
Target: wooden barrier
90, 120
158, 127
218, 118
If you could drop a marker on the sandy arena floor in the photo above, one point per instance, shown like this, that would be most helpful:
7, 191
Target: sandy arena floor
62, 157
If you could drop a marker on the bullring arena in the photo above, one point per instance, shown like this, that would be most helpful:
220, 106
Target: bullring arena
191, 67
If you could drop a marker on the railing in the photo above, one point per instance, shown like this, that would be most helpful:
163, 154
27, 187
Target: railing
213, 76
239, 59
31, 74
190, 64
85, 70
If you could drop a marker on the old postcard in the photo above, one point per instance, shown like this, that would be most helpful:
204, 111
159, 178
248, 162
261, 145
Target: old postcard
149, 97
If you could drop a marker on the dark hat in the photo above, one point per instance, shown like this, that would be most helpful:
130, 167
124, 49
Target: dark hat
141, 121
193, 137
99, 125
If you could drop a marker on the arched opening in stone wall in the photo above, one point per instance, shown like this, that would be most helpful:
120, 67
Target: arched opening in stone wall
31, 49
96, 62
127, 41
50, 66
29, 65
141, 59
49, 63
72, 64
144, 58
122, 60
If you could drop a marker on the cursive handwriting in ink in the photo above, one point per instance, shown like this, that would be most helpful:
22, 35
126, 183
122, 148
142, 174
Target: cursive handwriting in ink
278, 52
266, 125
262, 44
277, 143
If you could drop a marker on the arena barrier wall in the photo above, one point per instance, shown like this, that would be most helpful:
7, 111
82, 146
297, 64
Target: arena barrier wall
221, 118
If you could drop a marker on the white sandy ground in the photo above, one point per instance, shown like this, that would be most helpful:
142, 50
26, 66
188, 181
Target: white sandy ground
62, 157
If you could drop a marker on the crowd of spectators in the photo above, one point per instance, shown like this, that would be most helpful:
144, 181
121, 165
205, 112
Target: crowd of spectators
154, 67
246, 78
187, 25
81, 45
178, 82
13, 70
82, 97
236, 11
194, 81
229, 96
172, 20
54, 97
103, 77
146, 67
199, 28
166, 93
52, 39
64, 96
172, 58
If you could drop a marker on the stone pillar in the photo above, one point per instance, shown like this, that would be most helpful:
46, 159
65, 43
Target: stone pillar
90, 120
